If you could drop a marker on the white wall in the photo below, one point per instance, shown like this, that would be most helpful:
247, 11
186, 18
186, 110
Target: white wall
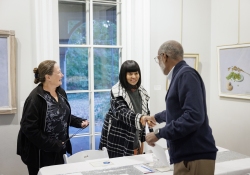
16, 15
187, 22
165, 24
201, 26
230, 117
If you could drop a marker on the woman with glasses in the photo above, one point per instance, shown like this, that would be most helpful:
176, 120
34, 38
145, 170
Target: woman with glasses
44, 134
123, 131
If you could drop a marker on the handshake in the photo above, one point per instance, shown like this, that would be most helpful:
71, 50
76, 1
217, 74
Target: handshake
151, 138
150, 120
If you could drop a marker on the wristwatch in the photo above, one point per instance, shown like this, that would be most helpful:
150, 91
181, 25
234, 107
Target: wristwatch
157, 133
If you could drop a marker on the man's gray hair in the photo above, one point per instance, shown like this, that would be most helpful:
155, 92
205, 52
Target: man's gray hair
173, 49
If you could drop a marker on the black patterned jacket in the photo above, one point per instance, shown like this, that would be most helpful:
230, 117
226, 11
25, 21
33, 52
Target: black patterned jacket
32, 138
121, 122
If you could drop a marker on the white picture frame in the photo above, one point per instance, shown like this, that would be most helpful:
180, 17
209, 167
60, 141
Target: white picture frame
234, 71
7, 72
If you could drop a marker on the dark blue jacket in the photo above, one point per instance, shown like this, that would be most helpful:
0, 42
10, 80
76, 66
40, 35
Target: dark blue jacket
187, 131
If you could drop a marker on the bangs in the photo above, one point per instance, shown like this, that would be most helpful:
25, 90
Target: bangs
132, 67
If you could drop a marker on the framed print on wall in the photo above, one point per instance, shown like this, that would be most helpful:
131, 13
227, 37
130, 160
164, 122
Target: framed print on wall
234, 71
7, 72
192, 60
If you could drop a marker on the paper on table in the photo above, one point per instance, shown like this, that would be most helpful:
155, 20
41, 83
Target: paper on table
71, 174
144, 169
101, 163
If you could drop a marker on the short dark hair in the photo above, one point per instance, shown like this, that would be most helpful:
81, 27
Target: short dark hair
129, 66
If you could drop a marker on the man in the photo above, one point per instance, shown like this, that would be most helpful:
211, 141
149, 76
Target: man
189, 137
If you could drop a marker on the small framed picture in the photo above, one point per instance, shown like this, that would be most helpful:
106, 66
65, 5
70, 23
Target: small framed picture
234, 71
192, 60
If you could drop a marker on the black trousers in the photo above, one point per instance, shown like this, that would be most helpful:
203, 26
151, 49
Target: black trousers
32, 170
47, 159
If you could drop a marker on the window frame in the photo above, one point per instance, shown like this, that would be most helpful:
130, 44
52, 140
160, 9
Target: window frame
90, 46
135, 29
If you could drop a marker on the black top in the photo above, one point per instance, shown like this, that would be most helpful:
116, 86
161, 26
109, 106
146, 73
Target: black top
56, 117
137, 104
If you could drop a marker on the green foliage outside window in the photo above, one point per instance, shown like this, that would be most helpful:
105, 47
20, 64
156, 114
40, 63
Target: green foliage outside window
106, 61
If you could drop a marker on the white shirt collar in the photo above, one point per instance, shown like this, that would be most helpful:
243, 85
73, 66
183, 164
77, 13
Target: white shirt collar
170, 74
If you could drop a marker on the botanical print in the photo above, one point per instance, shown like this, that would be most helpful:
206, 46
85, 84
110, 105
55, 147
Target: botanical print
234, 71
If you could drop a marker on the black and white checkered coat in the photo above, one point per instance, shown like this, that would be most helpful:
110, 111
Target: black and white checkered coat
121, 122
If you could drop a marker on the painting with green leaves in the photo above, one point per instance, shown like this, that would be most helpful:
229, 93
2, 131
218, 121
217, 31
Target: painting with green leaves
234, 71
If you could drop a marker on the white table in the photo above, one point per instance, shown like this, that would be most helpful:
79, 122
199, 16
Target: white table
87, 166
233, 167
239, 166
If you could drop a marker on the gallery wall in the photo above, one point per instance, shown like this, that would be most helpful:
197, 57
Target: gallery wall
230, 117
187, 22
201, 26
16, 15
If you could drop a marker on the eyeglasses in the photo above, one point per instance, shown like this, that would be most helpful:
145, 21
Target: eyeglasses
157, 58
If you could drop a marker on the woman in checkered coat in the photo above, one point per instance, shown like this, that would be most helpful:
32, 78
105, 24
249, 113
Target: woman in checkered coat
123, 133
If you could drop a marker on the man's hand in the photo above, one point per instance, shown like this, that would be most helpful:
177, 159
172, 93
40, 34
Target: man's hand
84, 123
151, 121
151, 139
148, 119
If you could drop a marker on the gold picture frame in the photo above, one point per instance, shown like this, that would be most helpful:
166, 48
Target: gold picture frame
192, 60
7, 72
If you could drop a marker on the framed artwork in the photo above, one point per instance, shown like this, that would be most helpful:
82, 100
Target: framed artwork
234, 71
192, 60
7, 72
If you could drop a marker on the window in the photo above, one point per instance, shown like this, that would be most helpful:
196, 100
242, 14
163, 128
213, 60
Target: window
90, 54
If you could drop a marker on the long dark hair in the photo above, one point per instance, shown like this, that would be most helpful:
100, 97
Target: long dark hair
129, 66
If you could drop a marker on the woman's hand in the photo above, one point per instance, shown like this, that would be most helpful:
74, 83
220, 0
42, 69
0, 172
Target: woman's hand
84, 123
